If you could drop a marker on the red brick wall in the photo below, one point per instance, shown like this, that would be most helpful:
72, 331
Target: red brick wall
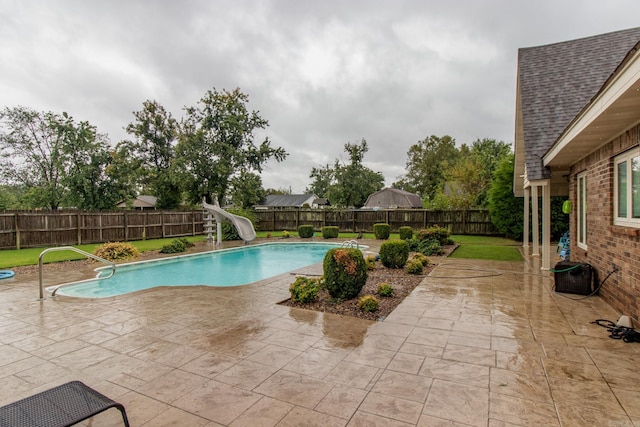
608, 245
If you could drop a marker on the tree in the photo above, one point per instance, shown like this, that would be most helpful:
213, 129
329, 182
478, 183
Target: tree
347, 184
56, 160
426, 163
217, 144
323, 177
31, 153
156, 133
505, 209
85, 159
247, 190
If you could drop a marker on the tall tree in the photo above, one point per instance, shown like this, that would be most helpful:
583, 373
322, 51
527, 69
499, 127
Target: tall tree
217, 144
426, 163
156, 133
347, 184
31, 153
86, 158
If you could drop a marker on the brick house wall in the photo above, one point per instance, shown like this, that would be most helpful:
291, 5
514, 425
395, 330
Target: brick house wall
608, 245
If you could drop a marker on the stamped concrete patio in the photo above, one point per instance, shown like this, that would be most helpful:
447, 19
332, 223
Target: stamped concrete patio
477, 343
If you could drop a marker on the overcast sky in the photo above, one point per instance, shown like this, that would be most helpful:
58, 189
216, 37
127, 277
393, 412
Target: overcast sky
323, 73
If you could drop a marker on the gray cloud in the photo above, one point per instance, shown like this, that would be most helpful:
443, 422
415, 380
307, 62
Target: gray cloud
323, 73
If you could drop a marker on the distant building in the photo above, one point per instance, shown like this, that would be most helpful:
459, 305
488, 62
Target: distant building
393, 198
140, 202
289, 201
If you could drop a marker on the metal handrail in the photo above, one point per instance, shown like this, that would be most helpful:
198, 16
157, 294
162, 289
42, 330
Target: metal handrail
70, 248
350, 244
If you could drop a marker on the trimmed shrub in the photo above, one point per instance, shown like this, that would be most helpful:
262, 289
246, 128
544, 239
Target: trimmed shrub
285, 234
345, 272
422, 258
330, 232
406, 232
371, 262
304, 290
385, 290
381, 231
368, 303
439, 234
394, 253
414, 267
116, 251
305, 231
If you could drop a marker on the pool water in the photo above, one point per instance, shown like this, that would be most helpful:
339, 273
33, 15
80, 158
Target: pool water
226, 267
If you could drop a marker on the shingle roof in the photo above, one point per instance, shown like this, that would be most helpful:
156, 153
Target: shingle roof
288, 200
556, 81
393, 197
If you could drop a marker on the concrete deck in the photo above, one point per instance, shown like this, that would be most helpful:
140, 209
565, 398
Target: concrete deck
476, 344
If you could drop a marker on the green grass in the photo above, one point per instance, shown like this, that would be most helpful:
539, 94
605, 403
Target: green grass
29, 256
487, 248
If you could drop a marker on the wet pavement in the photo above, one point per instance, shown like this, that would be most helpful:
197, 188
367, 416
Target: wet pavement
476, 344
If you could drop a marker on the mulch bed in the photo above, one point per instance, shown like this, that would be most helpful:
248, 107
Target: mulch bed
401, 281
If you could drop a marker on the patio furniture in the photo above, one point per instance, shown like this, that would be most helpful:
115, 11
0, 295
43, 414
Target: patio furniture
64, 405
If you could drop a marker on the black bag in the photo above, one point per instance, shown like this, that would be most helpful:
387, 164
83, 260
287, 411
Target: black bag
574, 278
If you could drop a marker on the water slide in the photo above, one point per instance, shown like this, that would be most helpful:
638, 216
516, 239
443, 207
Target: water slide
242, 224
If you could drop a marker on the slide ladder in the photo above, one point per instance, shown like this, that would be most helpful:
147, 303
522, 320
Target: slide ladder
244, 225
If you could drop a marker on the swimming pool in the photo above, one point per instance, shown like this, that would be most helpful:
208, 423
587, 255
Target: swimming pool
226, 267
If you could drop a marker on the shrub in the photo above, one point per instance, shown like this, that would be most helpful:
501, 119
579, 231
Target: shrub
422, 258
368, 303
173, 247
371, 262
304, 290
406, 232
381, 231
426, 247
330, 232
394, 253
440, 234
285, 234
385, 290
305, 231
345, 272
414, 267
116, 251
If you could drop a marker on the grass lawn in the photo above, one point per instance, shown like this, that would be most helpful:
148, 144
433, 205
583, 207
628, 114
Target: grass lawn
489, 248
29, 256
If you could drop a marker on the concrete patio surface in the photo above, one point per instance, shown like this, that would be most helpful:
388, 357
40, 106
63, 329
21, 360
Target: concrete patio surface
476, 344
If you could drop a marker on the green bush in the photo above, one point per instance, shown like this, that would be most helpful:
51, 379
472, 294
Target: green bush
371, 262
173, 247
305, 231
406, 232
422, 258
304, 290
345, 272
368, 303
381, 231
426, 247
385, 290
394, 253
439, 234
330, 232
116, 251
285, 234
414, 267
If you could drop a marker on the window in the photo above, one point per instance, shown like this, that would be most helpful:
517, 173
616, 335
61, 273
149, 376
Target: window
581, 222
627, 189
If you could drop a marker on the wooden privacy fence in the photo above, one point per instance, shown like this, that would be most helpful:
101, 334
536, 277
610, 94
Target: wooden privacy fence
56, 228
474, 222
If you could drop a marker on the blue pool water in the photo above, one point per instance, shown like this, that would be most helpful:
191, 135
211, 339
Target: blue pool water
227, 267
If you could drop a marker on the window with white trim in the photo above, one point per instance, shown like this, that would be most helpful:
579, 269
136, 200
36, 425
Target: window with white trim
626, 197
581, 220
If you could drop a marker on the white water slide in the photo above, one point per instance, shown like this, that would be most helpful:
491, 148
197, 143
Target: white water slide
242, 224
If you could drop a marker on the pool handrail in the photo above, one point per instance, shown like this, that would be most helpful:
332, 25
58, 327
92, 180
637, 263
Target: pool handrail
350, 244
69, 248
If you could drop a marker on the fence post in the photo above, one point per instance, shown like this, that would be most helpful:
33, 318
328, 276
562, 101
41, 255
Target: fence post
79, 231
126, 226
162, 222
17, 231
